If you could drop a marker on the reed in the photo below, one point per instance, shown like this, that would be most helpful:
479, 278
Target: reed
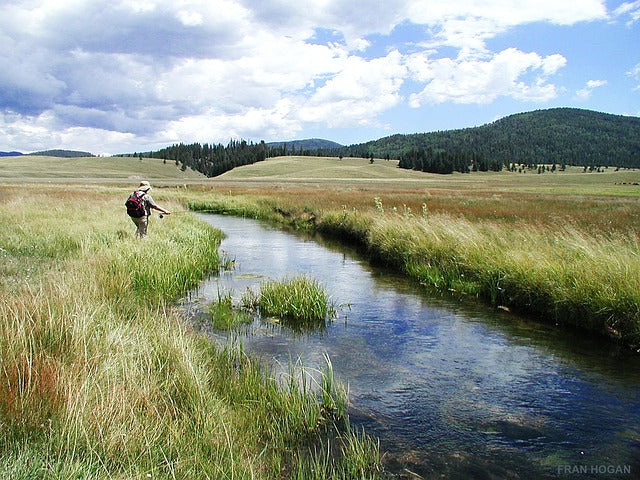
349, 455
228, 205
560, 273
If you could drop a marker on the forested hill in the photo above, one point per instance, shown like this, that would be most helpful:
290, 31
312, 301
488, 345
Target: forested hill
309, 144
560, 135
62, 153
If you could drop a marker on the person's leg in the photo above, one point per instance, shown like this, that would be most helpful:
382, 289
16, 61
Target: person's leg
141, 223
144, 222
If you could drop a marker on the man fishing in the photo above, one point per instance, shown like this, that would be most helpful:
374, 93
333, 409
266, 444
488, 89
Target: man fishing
139, 205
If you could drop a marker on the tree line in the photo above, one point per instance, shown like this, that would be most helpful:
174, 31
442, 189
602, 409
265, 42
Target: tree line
215, 159
442, 161
212, 159
561, 136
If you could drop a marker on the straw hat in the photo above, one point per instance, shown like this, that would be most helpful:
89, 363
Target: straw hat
144, 186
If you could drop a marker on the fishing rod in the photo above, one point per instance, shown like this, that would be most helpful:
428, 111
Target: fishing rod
161, 215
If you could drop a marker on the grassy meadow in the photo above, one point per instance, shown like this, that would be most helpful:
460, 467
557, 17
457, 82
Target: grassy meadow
101, 377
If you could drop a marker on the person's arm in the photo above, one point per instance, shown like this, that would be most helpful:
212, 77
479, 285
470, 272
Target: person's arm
155, 206
160, 209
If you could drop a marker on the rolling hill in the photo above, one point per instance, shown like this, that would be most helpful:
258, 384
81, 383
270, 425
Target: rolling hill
303, 168
85, 168
561, 135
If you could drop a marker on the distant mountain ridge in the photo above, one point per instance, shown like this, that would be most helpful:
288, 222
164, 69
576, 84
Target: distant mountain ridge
62, 153
10, 154
307, 144
560, 135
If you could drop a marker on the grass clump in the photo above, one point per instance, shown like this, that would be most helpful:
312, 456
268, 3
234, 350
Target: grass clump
300, 300
224, 316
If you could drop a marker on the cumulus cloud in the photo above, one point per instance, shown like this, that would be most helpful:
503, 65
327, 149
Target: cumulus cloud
151, 71
360, 91
250, 123
482, 81
467, 25
44, 131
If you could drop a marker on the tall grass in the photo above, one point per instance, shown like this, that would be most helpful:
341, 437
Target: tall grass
100, 378
562, 273
566, 275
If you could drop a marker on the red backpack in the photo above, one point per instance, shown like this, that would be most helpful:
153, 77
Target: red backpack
135, 205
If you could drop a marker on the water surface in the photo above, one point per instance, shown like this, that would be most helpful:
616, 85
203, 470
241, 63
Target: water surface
453, 390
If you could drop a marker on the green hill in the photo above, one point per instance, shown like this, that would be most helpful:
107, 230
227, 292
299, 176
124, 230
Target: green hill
560, 135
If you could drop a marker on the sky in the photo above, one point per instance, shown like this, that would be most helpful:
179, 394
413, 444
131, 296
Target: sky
118, 76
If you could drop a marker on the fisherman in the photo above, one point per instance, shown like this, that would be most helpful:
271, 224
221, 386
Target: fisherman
148, 203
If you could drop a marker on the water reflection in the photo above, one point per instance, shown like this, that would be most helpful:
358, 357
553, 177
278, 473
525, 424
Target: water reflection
452, 389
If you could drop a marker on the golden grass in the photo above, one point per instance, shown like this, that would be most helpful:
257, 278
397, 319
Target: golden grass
320, 168
120, 168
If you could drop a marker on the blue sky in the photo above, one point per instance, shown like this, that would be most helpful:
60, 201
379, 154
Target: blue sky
113, 76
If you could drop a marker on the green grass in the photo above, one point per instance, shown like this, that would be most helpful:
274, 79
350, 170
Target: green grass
101, 378
384, 174
300, 301
224, 315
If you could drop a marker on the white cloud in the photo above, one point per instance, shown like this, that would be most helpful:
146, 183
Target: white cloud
631, 9
358, 93
635, 73
166, 70
190, 18
467, 25
42, 132
253, 123
482, 81
585, 92
509, 13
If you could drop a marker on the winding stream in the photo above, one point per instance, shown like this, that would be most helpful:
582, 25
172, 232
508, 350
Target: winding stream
453, 390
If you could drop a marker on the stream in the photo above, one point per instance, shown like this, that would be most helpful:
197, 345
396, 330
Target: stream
452, 389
